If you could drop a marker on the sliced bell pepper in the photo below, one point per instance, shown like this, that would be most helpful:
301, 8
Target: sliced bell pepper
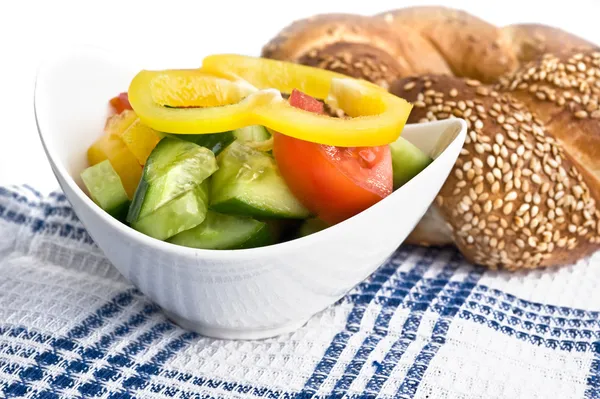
140, 140
234, 91
110, 146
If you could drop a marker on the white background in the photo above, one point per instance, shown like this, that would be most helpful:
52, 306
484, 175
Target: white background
178, 34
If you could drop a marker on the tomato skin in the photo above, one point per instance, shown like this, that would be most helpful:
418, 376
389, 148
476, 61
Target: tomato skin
335, 183
120, 103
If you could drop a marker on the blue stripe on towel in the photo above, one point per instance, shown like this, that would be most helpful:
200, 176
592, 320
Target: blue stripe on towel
428, 292
395, 353
406, 282
593, 378
417, 371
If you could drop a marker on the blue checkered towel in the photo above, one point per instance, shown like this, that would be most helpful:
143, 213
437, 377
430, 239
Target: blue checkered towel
425, 325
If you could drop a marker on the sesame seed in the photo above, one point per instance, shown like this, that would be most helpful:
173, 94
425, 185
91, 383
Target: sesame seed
498, 203
517, 183
472, 82
581, 114
513, 158
491, 161
507, 208
495, 187
520, 150
532, 241
487, 207
453, 92
519, 222
479, 188
522, 209
510, 196
408, 86
499, 138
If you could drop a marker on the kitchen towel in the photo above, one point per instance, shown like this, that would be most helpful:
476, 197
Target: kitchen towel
427, 324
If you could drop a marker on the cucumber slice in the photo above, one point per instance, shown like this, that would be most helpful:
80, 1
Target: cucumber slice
407, 161
216, 142
248, 183
219, 231
311, 226
180, 214
173, 168
106, 189
254, 133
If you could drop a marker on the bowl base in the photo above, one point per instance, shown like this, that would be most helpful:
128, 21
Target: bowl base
235, 334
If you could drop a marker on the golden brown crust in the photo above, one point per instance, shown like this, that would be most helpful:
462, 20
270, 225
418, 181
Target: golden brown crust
357, 46
471, 46
531, 41
515, 199
524, 190
565, 92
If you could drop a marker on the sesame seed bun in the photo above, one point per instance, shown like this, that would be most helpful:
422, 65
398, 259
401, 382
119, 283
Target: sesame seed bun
524, 190
515, 198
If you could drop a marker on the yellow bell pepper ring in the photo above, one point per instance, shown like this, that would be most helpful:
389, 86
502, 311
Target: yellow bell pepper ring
233, 91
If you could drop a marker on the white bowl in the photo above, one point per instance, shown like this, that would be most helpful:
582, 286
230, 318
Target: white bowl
251, 293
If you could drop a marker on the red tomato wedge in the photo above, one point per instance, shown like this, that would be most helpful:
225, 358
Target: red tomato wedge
335, 183
120, 103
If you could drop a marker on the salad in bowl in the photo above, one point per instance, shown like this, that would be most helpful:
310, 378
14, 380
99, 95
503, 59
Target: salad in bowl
247, 152
246, 195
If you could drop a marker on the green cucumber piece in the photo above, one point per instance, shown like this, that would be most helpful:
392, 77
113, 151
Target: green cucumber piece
248, 183
106, 189
250, 134
407, 161
174, 167
219, 231
216, 142
182, 213
311, 226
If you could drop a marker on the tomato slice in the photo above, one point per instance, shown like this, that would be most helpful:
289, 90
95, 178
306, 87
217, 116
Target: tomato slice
120, 103
335, 183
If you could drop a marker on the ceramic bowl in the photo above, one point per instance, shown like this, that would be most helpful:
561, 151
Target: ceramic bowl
237, 294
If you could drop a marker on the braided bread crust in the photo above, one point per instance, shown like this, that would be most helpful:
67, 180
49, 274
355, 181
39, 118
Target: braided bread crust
525, 189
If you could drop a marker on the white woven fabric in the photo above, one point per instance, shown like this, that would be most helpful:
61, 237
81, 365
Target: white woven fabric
425, 325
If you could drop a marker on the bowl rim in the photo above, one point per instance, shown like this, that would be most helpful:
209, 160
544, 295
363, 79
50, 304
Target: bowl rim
130, 233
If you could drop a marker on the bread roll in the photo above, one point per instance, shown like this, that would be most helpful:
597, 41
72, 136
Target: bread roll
531, 41
524, 190
471, 46
515, 199
564, 91
356, 46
